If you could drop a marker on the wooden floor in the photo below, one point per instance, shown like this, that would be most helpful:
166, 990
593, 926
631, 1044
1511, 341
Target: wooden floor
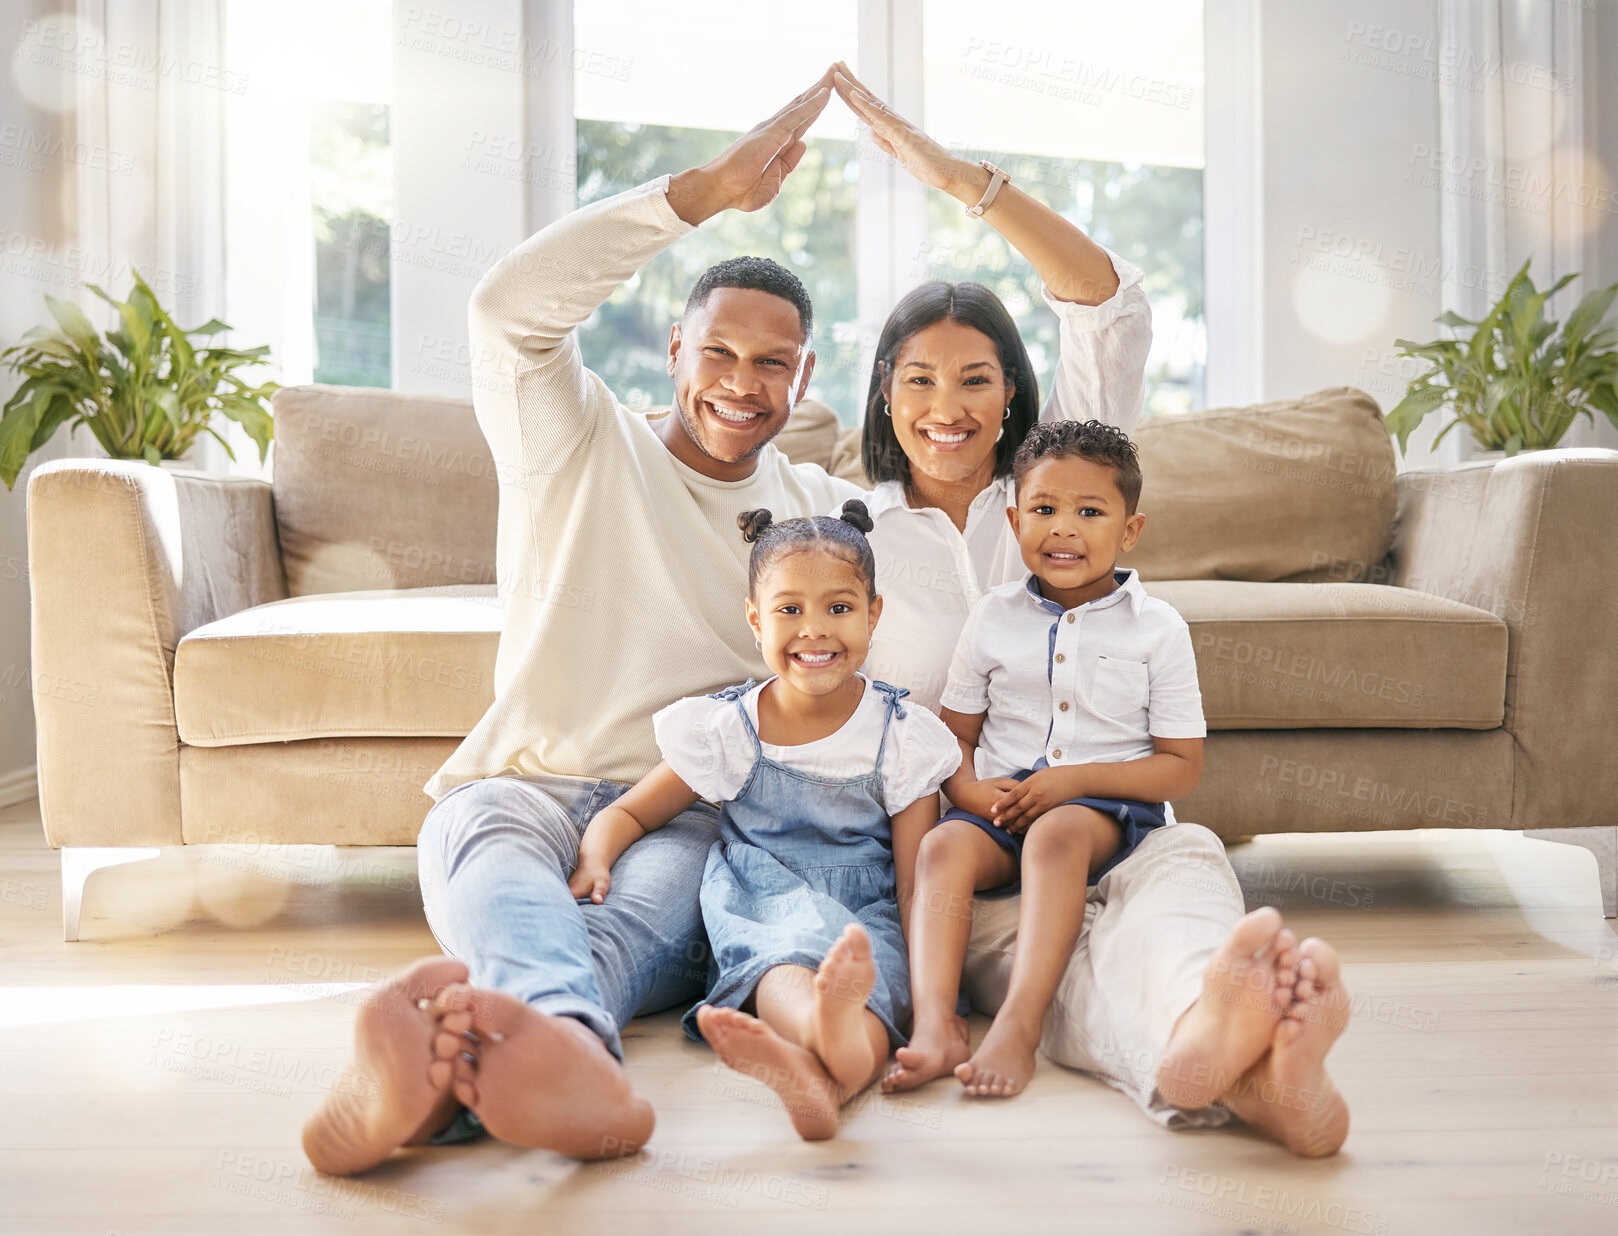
153, 1076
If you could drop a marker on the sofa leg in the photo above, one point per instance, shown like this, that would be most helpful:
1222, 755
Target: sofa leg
78, 861
1603, 843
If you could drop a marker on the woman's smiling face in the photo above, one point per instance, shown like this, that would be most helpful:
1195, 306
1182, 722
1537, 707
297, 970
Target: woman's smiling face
947, 393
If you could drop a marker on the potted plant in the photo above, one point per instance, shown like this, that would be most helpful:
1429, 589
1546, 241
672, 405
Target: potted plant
145, 390
1517, 381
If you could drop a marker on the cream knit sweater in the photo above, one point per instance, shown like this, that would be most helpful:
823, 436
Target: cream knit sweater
622, 572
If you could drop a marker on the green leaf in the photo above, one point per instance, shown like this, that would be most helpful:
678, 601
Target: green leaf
170, 403
152, 455
17, 425
211, 327
58, 411
1592, 309
1410, 411
73, 322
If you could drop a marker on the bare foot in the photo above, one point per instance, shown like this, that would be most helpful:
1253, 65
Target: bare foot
937, 1048
1004, 1062
396, 1091
1287, 1093
545, 1081
749, 1046
842, 983
1245, 993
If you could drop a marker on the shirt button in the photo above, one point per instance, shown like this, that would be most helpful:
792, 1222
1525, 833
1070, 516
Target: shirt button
1061, 657
1064, 705
1057, 754
1070, 617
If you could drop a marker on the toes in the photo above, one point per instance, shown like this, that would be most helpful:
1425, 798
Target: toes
1324, 957
1286, 941
447, 1046
440, 1072
455, 1023
467, 1093
1255, 930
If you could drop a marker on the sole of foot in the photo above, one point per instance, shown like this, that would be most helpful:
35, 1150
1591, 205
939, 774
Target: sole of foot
1289, 1093
1246, 991
812, 1098
843, 982
936, 1049
1004, 1062
546, 1082
395, 1091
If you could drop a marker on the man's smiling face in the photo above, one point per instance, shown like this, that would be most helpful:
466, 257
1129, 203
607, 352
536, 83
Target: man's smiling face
739, 362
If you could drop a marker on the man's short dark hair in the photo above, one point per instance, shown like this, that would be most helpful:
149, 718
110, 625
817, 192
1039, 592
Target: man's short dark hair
756, 274
1092, 440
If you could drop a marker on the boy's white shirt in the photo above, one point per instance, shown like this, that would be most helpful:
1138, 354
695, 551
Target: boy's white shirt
1122, 665
622, 571
930, 573
706, 743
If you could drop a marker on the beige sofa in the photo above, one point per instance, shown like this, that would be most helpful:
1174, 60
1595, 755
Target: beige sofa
222, 660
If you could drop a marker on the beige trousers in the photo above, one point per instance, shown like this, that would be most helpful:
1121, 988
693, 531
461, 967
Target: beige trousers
1151, 925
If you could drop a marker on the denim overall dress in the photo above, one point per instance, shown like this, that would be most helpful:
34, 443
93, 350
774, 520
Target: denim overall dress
799, 857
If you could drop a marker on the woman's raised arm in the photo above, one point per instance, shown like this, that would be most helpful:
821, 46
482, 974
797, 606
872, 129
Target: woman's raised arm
1072, 265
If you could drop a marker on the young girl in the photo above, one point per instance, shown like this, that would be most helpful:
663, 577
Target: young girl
827, 784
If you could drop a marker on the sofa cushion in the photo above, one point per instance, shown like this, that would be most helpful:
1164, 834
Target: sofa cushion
378, 489
416, 662
1295, 656
1297, 489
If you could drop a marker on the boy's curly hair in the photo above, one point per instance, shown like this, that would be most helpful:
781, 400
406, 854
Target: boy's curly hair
1099, 443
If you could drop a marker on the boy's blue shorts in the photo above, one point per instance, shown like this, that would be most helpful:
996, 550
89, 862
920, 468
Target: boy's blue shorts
1135, 820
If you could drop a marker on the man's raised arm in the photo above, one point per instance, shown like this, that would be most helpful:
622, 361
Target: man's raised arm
535, 400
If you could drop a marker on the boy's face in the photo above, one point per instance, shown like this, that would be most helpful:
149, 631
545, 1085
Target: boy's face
809, 605
1071, 524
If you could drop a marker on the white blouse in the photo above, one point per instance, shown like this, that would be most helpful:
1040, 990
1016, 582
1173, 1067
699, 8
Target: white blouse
929, 573
706, 743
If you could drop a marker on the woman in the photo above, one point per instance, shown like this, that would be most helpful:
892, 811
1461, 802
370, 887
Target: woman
952, 395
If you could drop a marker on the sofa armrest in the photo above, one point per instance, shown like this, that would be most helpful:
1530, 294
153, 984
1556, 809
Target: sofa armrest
124, 560
1530, 539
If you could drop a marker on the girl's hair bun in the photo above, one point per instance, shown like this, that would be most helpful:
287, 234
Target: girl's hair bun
854, 513
752, 523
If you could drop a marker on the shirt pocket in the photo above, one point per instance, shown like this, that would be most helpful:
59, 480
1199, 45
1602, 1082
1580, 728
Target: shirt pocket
1120, 686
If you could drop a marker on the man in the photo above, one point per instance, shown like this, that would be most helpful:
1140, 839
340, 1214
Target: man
619, 558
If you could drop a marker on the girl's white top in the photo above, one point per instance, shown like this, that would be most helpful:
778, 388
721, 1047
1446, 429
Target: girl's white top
706, 743
930, 574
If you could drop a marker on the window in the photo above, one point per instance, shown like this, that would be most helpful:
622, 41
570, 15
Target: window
309, 186
351, 190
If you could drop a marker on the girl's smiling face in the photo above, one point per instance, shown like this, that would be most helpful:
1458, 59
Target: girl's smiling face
813, 617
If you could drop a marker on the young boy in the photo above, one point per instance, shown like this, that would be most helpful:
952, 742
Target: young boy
1074, 696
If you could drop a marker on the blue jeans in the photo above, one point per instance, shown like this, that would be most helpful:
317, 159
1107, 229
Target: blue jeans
495, 856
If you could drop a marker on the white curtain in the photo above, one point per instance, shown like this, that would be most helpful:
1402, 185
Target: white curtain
154, 86
1512, 168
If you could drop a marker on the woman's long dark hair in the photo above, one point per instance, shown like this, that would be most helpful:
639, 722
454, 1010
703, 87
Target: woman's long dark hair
970, 304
